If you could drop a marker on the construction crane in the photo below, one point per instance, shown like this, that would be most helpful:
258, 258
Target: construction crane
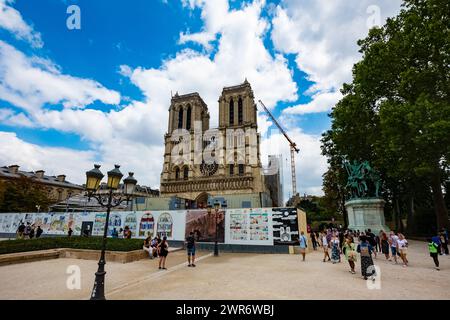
293, 149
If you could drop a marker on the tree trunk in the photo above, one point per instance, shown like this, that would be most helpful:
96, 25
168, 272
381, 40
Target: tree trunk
410, 216
439, 203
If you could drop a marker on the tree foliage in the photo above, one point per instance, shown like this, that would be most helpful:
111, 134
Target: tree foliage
396, 111
22, 195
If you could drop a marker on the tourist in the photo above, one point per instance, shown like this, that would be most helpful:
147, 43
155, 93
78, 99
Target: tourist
378, 242
350, 253
335, 249
154, 245
163, 251
325, 247
433, 249
393, 239
444, 241
437, 239
31, 235
366, 249
317, 238
120, 235
303, 244
69, 233
402, 248
21, 230
190, 245
39, 232
147, 247
26, 233
127, 233
114, 233
341, 240
384, 243
372, 240
313, 240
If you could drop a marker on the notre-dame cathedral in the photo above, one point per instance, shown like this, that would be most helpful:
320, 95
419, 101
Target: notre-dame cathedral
235, 171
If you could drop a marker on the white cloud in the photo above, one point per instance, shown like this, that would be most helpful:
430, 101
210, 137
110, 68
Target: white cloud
54, 161
11, 20
321, 102
309, 163
29, 83
323, 35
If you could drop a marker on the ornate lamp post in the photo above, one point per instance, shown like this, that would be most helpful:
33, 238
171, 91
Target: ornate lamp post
216, 209
108, 200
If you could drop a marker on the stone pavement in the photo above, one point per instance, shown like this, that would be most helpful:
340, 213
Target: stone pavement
232, 276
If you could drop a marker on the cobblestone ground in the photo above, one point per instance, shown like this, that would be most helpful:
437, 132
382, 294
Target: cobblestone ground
232, 276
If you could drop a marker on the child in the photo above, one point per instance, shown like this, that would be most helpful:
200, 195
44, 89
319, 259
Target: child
433, 248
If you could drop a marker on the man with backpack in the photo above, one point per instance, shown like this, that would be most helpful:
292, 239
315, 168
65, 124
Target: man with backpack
190, 245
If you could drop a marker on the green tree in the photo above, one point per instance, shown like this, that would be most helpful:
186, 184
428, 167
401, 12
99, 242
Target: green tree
396, 111
22, 195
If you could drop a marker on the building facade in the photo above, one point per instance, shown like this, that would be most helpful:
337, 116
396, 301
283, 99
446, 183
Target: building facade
202, 163
58, 187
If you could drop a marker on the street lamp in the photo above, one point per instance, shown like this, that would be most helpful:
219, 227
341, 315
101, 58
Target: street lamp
216, 209
109, 200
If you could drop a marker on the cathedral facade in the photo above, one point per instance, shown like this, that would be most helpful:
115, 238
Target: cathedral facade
202, 163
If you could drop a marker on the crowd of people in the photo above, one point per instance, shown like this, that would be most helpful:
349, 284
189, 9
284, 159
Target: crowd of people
364, 246
28, 231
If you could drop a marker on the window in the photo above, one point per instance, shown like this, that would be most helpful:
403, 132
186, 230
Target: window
177, 173
241, 169
231, 169
188, 118
240, 111
185, 173
231, 112
180, 118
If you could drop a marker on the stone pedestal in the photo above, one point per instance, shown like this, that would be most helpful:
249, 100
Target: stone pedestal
366, 214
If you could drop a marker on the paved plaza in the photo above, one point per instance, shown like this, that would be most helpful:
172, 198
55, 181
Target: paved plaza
231, 276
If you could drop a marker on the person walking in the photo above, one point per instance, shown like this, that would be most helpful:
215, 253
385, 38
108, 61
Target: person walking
349, 249
163, 251
384, 242
433, 249
69, 233
393, 242
366, 249
325, 247
403, 248
437, 239
313, 240
303, 244
190, 245
372, 240
335, 249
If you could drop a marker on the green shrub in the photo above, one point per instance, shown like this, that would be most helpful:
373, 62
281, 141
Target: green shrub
94, 243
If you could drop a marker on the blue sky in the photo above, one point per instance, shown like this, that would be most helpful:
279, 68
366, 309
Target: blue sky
102, 92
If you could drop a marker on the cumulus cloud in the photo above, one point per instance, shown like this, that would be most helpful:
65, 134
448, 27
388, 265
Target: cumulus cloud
32, 157
323, 34
32, 82
11, 20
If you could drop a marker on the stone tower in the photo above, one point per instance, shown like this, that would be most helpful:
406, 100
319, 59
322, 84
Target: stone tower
235, 143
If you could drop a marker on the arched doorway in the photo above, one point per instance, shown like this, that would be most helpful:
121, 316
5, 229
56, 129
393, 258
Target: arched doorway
202, 200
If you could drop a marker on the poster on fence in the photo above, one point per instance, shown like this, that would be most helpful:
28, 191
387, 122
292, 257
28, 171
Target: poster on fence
249, 226
285, 226
203, 224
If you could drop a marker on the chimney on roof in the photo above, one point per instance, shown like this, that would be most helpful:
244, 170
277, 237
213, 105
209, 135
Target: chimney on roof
13, 168
61, 178
39, 174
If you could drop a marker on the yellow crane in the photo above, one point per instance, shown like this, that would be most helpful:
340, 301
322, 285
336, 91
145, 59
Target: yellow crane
293, 146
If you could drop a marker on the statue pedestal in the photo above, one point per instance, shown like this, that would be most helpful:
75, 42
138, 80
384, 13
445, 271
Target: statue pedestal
366, 214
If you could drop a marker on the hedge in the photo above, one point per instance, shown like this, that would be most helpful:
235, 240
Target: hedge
94, 243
